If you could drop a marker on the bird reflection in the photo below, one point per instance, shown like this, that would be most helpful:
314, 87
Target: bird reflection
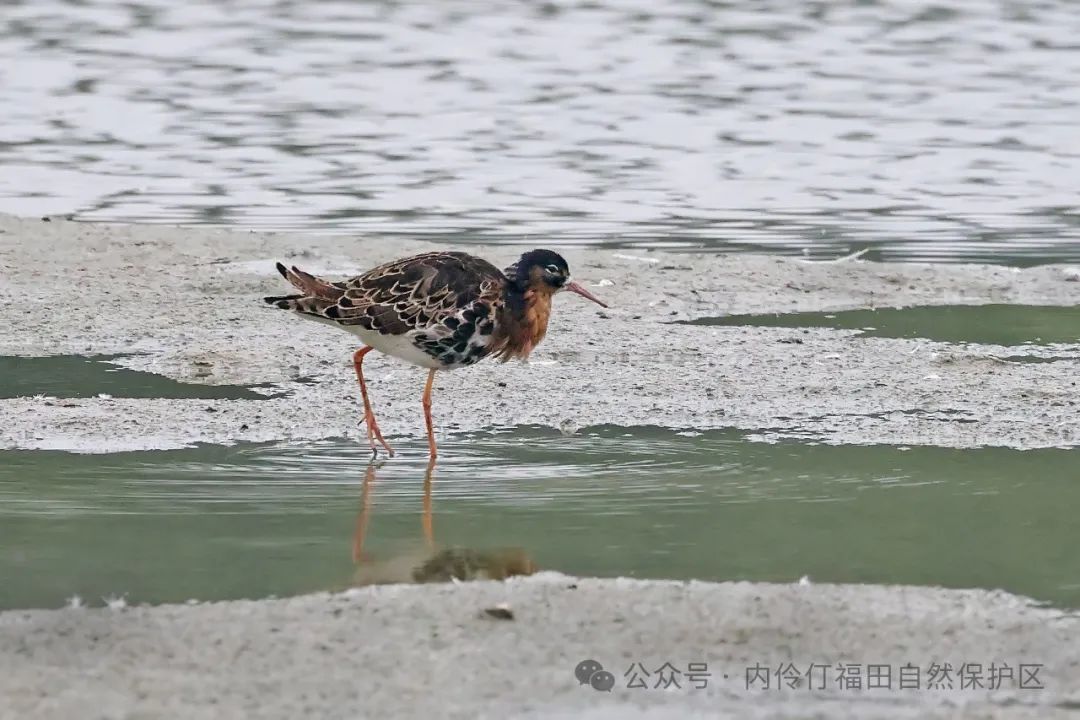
365, 511
431, 563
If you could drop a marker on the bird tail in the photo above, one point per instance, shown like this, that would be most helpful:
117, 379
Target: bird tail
299, 303
315, 295
310, 285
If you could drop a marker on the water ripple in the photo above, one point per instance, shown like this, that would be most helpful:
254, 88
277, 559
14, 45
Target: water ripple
924, 132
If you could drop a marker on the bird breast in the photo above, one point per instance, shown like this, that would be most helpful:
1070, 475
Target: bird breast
537, 312
520, 332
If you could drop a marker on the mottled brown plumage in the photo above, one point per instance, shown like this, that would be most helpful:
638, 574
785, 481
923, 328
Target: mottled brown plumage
522, 329
439, 310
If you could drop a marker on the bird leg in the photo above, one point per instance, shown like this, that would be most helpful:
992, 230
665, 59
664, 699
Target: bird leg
373, 432
427, 414
429, 532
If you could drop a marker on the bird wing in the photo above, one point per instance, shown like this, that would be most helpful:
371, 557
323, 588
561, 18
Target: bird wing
418, 292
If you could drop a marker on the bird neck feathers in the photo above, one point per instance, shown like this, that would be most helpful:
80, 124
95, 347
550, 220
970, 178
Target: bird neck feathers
524, 318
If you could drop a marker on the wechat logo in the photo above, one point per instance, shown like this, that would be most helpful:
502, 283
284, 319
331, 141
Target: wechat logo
590, 672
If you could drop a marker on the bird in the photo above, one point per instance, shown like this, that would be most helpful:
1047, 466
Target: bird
438, 310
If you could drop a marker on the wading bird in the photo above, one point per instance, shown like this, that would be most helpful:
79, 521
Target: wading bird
437, 310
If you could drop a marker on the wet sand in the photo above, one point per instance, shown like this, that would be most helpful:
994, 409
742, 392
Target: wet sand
432, 651
187, 302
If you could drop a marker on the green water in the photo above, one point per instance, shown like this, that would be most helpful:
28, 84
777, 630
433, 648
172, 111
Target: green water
986, 324
251, 521
75, 376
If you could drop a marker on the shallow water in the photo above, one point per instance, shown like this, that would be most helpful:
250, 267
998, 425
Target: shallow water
75, 376
920, 130
250, 521
1011, 325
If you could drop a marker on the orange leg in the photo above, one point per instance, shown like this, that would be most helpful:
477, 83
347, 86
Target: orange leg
373, 432
427, 414
429, 532
362, 517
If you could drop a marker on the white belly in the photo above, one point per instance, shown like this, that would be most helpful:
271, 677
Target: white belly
399, 346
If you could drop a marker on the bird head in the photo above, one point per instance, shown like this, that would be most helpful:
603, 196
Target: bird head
545, 271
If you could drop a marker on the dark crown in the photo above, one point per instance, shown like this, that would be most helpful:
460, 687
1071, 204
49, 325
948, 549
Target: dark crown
519, 273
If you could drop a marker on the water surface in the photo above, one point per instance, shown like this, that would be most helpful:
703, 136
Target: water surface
251, 521
922, 131
994, 324
77, 376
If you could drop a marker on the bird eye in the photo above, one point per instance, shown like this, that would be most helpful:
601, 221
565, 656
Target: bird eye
553, 269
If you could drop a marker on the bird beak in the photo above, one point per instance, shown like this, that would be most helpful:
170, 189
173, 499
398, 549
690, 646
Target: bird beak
575, 288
